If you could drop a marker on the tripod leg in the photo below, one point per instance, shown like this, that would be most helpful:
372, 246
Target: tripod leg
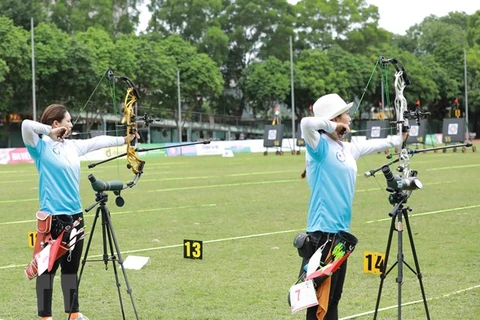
113, 242
384, 267
417, 265
112, 257
400, 260
87, 249
105, 231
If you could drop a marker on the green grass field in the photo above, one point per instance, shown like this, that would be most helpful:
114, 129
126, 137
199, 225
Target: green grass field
247, 210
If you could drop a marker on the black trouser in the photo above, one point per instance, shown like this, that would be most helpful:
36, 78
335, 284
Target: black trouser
338, 277
69, 263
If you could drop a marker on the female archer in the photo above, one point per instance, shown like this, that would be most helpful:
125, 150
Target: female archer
58, 164
331, 172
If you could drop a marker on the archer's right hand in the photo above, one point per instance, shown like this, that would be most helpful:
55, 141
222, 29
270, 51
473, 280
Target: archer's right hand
58, 134
342, 128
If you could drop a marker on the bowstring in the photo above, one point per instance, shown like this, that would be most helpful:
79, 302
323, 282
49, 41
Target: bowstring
386, 93
116, 112
85, 106
366, 87
356, 109
88, 101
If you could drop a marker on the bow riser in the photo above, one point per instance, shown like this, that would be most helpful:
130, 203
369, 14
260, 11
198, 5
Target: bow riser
133, 162
401, 110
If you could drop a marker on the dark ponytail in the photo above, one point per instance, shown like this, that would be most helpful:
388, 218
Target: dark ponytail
304, 173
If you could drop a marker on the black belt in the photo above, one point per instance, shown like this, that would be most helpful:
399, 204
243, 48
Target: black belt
321, 234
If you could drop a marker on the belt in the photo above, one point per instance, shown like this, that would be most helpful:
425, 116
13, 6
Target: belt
321, 234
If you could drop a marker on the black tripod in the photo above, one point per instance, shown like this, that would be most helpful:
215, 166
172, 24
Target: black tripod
108, 236
399, 212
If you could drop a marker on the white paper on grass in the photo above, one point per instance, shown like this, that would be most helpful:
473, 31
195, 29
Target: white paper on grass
135, 262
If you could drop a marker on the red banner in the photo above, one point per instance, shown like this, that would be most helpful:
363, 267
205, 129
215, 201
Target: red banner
15, 155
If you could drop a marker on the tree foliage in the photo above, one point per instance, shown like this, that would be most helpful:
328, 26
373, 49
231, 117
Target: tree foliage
114, 16
14, 66
230, 55
266, 84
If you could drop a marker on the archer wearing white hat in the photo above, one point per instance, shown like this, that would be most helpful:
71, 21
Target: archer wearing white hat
331, 171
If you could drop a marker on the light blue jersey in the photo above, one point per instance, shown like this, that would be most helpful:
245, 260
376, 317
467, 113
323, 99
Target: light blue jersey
331, 173
58, 166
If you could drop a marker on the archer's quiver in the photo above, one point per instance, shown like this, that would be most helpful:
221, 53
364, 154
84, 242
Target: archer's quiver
44, 226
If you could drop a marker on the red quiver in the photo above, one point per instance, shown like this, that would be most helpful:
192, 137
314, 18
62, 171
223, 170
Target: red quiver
58, 246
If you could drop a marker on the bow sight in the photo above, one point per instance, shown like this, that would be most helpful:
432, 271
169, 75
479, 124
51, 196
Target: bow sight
416, 115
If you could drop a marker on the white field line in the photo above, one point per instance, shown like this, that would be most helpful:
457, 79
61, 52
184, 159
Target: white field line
239, 237
354, 316
430, 212
180, 245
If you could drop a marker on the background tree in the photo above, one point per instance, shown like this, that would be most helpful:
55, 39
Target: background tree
51, 56
15, 67
266, 85
21, 12
446, 43
113, 16
319, 23
213, 43
145, 62
15, 74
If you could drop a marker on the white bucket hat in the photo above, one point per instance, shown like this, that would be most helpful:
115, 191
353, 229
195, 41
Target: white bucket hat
330, 106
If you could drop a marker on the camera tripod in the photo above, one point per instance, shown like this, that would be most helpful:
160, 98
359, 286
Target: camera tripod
398, 214
108, 239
